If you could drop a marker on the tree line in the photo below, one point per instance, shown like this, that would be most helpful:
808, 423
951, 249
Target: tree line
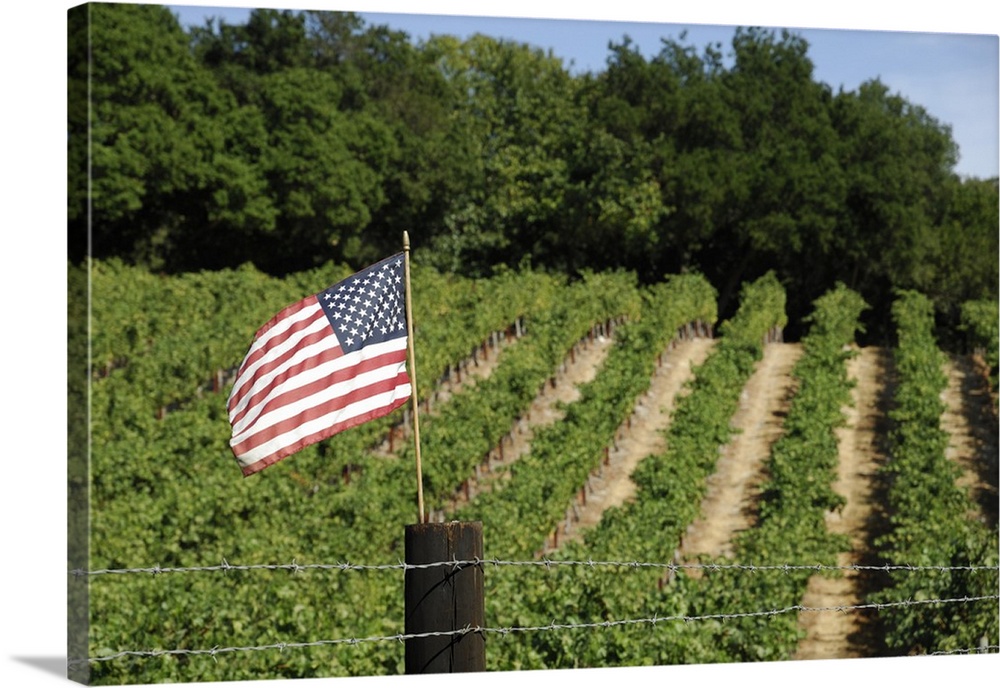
299, 138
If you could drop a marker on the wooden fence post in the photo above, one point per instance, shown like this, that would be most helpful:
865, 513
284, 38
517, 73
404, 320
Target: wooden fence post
442, 599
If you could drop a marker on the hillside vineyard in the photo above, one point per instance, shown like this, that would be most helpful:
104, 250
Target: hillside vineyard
295, 571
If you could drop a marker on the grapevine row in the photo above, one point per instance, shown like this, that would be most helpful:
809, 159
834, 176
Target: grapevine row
796, 496
928, 513
981, 321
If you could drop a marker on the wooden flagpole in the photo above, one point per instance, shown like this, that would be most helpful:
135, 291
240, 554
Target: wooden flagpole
413, 376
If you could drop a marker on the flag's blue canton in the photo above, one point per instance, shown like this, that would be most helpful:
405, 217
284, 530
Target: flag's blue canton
368, 307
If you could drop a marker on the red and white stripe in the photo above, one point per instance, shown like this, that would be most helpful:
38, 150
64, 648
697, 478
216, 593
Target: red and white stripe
296, 386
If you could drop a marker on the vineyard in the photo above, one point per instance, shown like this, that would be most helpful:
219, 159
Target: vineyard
657, 485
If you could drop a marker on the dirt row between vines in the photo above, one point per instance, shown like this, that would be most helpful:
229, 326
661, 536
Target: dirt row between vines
731, 492
835, 634
642, 436
971, 424
564, 388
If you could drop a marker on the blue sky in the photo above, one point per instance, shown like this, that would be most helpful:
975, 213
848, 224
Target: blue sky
947, 64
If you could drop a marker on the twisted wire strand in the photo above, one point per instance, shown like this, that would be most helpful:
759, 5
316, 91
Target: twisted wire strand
508, 630
294, 567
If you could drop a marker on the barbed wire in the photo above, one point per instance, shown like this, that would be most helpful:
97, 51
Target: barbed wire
294, 567
508, 630
982, 649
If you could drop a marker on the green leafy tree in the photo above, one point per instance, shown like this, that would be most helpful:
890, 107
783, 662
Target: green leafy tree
165, 180
323, 167
358, 136
297, 138
617, 197
785, 185
897, 163
240, 55
697, 150
518, 110
404, 88
743, 157
965, 260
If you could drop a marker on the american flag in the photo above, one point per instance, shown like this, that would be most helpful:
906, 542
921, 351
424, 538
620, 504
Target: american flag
327, 363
